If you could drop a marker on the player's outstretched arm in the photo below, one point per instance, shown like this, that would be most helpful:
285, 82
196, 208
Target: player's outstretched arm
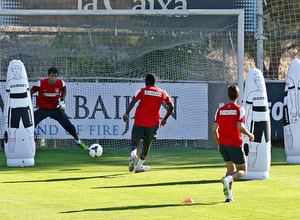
170, 109
131, 105
32, 92
243, 129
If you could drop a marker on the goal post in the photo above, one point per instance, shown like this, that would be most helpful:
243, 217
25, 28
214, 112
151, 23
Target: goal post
104, 55
189, 12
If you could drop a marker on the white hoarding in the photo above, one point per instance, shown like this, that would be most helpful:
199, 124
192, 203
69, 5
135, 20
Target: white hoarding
96, 110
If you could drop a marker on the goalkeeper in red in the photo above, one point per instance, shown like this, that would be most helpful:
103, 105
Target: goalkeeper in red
227, 131
49, 105
146, 121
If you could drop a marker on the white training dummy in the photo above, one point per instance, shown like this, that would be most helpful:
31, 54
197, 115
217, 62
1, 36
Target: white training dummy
19, 141
255, 102
292, 113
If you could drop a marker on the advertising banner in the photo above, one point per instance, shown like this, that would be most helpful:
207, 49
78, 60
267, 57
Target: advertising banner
249, 7
96, 110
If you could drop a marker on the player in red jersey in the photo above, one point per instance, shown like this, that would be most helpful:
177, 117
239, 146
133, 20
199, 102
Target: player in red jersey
227, 130
50, 90
146, 121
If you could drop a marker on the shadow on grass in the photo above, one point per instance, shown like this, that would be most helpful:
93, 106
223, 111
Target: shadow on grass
162, 184
139, 207
283, 164
190, 167
69, 179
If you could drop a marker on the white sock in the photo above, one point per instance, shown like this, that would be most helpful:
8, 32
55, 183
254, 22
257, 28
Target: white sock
139, 164
133, 153
229, 178
230, 194
78, 142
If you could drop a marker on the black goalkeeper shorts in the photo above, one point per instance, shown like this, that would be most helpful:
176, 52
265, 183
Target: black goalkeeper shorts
57, 115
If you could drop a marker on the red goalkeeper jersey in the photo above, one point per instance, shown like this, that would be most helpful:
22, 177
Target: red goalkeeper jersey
228, 116
48, 97
148, 111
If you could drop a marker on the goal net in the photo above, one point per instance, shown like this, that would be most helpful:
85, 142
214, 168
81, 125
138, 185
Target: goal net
281, 37
104, 57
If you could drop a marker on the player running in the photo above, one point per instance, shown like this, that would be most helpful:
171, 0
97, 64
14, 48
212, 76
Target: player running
50, 90
227, 130
146, 121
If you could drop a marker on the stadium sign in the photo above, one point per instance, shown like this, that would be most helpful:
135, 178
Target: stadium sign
249, 7
139, 5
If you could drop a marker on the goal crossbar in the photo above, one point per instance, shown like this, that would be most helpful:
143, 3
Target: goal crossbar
23, 12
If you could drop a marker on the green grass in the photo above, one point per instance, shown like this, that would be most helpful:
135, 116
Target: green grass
69, 184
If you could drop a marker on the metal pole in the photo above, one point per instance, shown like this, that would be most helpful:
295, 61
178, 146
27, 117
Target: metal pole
260, 36
240, 57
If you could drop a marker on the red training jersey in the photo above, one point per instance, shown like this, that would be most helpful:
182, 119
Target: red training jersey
48, 97
227, 117
148, 111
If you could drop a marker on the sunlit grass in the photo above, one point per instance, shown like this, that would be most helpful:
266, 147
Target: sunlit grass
69, 184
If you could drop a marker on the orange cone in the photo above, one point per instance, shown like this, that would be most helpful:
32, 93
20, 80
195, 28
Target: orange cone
188, 200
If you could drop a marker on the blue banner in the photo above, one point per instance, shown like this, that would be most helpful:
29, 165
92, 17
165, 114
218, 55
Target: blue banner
275, 92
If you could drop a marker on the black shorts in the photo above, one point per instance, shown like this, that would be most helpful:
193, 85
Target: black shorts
234, 154
146, 133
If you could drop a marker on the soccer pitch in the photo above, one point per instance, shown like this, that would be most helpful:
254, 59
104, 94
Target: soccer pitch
69, 184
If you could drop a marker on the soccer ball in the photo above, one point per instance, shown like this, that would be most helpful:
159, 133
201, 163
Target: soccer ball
95, 150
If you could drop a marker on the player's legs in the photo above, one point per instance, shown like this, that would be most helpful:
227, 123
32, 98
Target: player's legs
150, 135
146, 149
39, 115
237, 171
64, 121
134, 144
241, 170
230, 171
236, 168
137, 133
133, 153
227, 180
